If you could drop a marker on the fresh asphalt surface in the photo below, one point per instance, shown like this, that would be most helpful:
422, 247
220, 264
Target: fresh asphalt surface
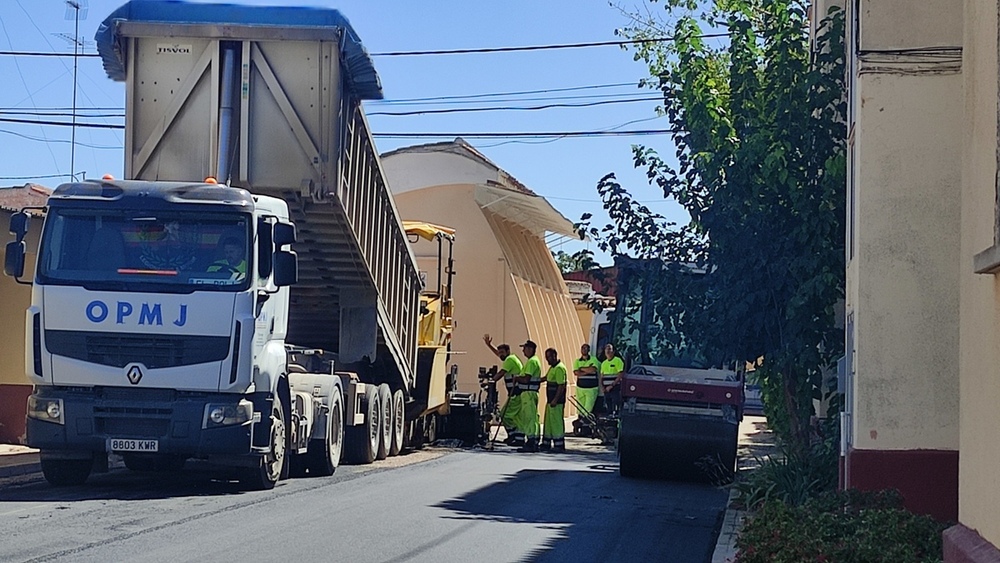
436, 505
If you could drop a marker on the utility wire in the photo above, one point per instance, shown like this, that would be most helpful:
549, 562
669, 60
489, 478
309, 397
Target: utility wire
44, 54
514, 108
527, 134
448, 51
519, 93
541, 47
412, 135
35, 177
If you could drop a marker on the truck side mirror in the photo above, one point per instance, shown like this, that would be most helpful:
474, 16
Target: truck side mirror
284, 233
19, 224
13, 263
286, 268
265, 248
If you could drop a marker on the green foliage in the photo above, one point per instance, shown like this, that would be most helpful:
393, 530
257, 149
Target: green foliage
793, 477
583, 260
760, 168
847, 527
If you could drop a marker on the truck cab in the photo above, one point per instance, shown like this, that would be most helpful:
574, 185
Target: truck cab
157, 323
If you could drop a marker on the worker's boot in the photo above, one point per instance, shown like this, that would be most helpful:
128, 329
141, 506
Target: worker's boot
545, 446
531, 446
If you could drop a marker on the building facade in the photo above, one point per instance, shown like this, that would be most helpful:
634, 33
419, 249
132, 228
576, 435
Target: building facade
507, 283
923, 244
15, 299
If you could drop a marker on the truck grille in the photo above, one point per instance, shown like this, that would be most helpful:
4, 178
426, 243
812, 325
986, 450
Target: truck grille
153, 351
133, 427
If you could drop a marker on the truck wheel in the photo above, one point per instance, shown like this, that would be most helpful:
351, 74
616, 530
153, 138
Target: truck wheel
398, 421
362, 440
66, 472
385, 421
431, 425
415, 434
271, 464
323, 456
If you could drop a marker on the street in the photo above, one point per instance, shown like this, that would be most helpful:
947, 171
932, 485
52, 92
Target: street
438, 504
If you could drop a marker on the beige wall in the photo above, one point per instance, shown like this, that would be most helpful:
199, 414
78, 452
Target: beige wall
14, 301
907, 24
902, 284
979, 479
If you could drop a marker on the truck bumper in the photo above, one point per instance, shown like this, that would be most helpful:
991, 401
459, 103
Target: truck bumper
174, 419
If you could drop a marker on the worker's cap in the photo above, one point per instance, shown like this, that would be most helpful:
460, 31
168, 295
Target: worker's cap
529, 344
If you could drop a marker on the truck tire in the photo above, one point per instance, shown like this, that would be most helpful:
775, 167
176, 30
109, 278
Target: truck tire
323, 456
430, 428
66, 472
362, 440
272, 463
398, 421
385, 421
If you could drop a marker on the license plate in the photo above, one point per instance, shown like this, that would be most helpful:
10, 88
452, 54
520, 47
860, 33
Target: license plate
132, 445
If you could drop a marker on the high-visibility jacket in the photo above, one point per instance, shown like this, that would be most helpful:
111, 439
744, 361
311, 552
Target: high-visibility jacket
587, 381
555, 377
609, 368
512, 366
533, 368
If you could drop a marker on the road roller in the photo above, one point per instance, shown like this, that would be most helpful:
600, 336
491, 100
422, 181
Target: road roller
681, 408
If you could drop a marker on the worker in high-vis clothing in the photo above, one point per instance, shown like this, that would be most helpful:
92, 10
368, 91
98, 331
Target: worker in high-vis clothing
530, 382
509, 370
612, 369
585, 368
554, 428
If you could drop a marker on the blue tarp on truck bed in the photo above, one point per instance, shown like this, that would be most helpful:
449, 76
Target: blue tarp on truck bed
360, 70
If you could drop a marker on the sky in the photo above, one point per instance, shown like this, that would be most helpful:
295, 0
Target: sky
565, 171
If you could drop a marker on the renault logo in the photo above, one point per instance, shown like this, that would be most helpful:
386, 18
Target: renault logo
134, 374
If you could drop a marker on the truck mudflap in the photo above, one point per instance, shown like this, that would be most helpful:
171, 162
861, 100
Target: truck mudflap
676, 445
139, 420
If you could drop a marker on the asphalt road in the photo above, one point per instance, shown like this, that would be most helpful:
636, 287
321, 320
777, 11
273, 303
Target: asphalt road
435, 505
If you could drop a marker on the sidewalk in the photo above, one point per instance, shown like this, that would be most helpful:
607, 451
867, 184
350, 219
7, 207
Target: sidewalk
18, 460
755, 442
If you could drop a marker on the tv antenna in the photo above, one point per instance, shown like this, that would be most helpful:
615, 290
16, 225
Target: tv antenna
76, 10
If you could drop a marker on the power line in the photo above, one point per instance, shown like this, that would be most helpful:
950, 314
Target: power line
514, 108
528, 134
60, 123
541, 47
36, 177
518, 93
67, 141
45, 54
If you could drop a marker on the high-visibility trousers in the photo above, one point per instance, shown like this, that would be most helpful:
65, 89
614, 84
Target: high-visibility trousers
555, 426
511, 413
587, 398
528, 415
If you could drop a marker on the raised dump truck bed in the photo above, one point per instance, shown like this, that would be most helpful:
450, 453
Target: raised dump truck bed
269, 99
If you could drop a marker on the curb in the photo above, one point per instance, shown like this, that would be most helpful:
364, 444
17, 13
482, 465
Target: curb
14, 465
725, 546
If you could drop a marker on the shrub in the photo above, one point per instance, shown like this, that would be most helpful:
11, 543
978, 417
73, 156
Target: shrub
844, 527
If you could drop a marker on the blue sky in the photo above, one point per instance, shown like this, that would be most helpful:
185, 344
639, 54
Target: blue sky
566, 171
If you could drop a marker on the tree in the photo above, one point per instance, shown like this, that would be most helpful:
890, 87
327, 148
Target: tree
760, 167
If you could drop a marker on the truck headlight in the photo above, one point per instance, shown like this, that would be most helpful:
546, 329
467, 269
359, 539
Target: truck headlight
227, 414
49, 410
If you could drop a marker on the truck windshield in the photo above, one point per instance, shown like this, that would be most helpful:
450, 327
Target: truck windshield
145, 251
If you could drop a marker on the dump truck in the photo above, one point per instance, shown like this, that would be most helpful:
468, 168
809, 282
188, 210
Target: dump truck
247, 294
681, 404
